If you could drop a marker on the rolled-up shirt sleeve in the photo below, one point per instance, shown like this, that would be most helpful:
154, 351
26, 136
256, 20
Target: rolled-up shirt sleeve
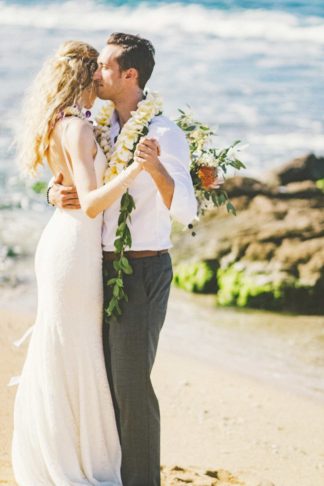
175, 157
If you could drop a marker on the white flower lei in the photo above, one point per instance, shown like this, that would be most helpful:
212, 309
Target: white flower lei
119, 156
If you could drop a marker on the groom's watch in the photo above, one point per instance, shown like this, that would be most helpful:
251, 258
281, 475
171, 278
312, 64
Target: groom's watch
47, 196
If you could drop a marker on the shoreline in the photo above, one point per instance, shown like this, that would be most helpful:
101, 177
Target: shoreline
282, 350
285, 350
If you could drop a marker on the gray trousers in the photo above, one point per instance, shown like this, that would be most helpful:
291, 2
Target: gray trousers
130, 345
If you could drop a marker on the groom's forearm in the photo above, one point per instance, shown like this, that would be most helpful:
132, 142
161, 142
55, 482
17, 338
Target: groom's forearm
163, 182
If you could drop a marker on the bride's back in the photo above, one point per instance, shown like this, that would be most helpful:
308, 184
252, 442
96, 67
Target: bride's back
57, 156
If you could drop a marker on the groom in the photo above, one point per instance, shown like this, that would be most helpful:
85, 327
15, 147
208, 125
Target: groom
161, 190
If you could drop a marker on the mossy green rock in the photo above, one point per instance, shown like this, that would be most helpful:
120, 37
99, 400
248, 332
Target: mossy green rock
248, 287
248, 284
320, 184
198, 277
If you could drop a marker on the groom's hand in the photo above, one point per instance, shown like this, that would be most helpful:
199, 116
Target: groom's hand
64, 197
147, 153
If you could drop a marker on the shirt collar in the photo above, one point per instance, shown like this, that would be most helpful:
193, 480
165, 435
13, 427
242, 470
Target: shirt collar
115, 127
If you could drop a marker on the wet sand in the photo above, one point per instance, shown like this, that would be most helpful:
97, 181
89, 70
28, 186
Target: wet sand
285, 350
223, 411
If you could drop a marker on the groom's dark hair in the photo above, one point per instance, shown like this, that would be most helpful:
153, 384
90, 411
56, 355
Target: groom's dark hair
137, 53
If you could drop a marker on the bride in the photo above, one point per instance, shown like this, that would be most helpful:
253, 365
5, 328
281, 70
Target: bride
64, 425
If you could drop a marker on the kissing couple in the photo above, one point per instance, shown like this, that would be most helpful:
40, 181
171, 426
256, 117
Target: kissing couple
85, 409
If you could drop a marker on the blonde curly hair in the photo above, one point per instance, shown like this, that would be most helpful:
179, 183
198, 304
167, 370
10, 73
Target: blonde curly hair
58, 85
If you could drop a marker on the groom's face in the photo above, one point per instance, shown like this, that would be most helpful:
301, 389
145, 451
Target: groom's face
108, 77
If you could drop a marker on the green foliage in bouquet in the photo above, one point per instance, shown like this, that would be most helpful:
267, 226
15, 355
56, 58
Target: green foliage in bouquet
208, 163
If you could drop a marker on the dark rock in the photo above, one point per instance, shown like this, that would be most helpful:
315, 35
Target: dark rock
305, 168
245, 186
241, 202
212, 474
197, 476
293, 252
271, 255
260, 251
304, 189
264, 204
311, 272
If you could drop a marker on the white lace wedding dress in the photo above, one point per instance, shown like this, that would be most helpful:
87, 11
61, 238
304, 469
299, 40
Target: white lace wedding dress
64, 424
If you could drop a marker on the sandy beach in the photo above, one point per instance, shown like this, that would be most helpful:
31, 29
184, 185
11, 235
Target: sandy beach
238, 429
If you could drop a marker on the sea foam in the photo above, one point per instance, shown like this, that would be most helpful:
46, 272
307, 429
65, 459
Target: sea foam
273, 26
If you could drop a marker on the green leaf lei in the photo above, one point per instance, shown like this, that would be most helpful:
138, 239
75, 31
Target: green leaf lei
122, 242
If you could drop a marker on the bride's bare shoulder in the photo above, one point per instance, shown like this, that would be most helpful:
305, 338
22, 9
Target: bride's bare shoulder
76, 124
77, 129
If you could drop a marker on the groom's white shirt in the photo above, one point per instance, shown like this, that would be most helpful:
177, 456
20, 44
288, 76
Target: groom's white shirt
151, 220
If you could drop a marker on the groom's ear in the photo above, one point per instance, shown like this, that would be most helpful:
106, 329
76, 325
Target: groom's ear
131, 73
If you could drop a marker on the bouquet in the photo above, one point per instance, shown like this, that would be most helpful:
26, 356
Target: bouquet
209, 165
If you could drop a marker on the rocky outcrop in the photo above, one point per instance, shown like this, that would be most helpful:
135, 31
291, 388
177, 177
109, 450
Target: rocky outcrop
305, 168
271, 255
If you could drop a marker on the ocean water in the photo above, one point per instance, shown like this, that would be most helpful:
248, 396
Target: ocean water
254, 69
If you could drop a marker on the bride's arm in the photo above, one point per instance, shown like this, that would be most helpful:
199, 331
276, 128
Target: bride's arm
80, 144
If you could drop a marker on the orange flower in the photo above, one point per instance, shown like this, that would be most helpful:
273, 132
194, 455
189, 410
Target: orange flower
208, 176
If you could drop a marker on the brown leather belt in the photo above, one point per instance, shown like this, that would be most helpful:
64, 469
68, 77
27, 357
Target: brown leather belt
111, 255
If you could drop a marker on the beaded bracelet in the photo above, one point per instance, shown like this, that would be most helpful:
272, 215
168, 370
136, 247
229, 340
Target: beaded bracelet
47, 196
